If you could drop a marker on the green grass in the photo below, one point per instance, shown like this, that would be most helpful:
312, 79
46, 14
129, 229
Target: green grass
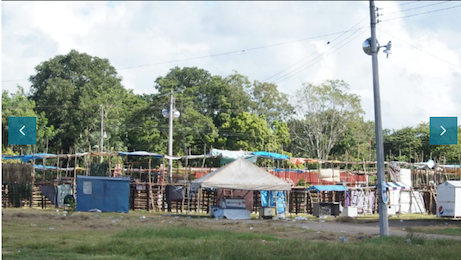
455, 231
27, 235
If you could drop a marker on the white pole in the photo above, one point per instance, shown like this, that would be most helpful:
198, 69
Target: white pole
101, 148
170, 139
383, 218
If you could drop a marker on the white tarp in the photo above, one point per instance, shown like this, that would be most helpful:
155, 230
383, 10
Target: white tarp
241, 175
405, 177
332, 175
399, 200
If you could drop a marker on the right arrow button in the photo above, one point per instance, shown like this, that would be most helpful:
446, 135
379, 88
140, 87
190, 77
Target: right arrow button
444, 130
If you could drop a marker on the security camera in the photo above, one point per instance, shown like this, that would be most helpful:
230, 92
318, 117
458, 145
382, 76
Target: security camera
388, 49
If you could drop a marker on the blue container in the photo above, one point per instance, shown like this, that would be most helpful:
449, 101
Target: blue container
108, 194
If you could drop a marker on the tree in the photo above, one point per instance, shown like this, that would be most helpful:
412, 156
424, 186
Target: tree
70, 90
271, 103
142, 130
248, 132
325, 113
17, 105
358, 142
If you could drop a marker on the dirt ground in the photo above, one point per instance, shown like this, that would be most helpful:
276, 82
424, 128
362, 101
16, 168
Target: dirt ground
315, 229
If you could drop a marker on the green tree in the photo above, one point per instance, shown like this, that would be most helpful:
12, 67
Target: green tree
358, 142
142, 130
271, 103
70, 90
325, 112
17, 105
248, 132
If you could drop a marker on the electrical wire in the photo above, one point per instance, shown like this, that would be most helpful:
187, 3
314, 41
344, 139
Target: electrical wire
231, 52
321, 57
434, 56
394, 6
332, 41
433, 11
214, 55
419, 7
314, 60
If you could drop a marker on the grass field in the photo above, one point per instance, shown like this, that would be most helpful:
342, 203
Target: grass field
439, 229
43, 234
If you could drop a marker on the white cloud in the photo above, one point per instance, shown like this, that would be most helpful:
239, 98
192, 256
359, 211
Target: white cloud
414, 85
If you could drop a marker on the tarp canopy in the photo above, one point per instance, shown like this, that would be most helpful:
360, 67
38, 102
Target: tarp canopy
270, 155
230, 156
28, 157
327, 188
241, 175
141, 153
397, 186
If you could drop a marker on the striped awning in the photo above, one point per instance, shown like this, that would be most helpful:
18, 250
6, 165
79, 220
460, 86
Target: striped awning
397, 186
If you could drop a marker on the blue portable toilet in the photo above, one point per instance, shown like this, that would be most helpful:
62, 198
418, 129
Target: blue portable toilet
108, 194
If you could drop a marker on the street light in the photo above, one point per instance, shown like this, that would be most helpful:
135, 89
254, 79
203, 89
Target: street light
371, 47
170, 114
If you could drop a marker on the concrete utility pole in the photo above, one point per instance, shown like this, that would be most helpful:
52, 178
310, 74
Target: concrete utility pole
383, 218
101, 148
170, 138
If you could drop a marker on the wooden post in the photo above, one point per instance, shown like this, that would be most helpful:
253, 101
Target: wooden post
68, 165
44, 169
75, 175
149, 195
56, 184
347, 170
198, 201
33, 181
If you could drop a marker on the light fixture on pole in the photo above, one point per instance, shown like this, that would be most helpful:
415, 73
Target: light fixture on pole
170, 114
371, 47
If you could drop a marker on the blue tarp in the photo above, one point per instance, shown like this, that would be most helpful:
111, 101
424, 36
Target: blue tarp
327, 188
267, 200
29, 157
287, 170
108, 194
270, 155
141, 153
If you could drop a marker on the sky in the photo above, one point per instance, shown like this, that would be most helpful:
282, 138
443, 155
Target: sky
281, 42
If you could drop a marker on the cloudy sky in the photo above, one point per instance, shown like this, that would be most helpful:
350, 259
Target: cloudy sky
283, 42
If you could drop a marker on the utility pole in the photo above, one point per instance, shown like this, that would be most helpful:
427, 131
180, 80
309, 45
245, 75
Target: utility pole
101, 148
382, 192
170, 138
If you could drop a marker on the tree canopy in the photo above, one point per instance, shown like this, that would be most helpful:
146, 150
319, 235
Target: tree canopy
69, 92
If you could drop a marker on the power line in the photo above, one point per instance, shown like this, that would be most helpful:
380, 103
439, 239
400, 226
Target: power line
412, 2
217, 54
321, 56
315, 59
317, 50
231, 52
394, 6
433, 11
422, 50
414, 8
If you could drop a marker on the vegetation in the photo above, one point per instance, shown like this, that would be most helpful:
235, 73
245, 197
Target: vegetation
43, 234
69, 92
440, 229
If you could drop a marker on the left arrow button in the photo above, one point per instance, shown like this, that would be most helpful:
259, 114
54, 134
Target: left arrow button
20, 130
